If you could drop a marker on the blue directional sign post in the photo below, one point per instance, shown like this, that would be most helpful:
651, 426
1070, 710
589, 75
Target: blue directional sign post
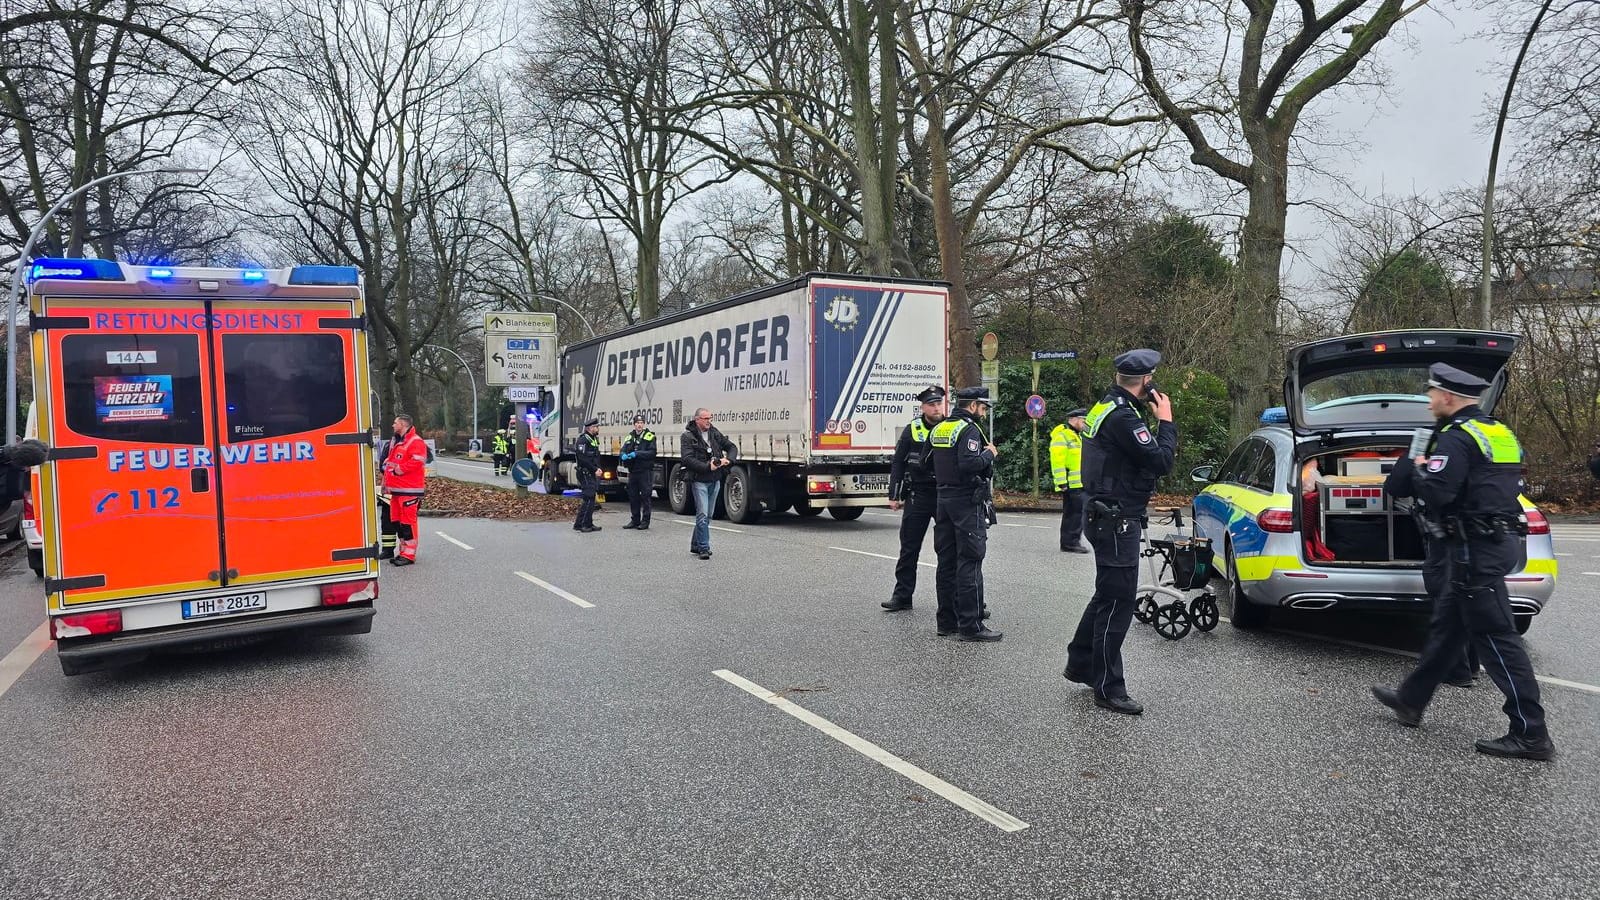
1038, 357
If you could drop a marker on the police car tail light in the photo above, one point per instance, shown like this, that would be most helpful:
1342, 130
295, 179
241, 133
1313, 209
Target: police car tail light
1277, 521
344, 592
1537, 523
608, 474
819, 487
27, 511
86, 624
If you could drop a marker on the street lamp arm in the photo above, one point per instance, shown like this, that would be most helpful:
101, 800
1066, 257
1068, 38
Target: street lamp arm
592, 332
472, 382
22, 266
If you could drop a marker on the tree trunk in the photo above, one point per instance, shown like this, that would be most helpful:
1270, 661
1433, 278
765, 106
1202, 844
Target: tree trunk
1253, 374
647, 276
876, 250
964, 370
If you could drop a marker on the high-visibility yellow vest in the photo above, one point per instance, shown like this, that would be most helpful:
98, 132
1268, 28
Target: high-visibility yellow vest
1496, 441
1066, 457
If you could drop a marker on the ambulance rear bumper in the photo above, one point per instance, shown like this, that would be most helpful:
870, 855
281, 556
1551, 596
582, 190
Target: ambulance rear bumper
93, 654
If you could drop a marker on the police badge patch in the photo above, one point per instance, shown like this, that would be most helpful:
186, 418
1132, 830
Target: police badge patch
1437, 463
972, 445
1143, 434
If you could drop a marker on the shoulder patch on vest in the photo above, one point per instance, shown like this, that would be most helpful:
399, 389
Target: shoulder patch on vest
1143, 435
1437, 463
972, 445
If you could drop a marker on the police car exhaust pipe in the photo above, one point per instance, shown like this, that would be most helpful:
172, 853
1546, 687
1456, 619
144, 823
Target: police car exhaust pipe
1313, 603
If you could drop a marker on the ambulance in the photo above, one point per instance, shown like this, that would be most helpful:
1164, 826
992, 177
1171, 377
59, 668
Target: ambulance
210, 480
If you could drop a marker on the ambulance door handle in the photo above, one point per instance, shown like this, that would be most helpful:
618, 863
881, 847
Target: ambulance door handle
200, 480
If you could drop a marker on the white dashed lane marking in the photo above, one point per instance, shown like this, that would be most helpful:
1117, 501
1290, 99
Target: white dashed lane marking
555, 590
18, 660
453, 540
881, 556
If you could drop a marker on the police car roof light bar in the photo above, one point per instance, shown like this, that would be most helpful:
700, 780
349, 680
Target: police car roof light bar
1275, 415
76, 270
335, 276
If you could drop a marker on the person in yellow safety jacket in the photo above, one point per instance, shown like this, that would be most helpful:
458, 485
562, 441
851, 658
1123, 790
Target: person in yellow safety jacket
502, 452
1066, 468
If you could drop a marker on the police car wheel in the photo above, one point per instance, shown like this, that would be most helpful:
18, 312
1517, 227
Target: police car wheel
1241, 612
1523, 623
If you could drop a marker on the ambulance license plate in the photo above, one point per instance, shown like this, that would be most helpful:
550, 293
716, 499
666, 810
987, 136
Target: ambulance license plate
224, 606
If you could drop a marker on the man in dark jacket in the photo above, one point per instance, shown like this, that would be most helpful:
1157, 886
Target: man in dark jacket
707, 454
639, 455
588, 475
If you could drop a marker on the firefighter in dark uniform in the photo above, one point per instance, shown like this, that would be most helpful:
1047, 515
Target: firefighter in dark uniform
912, 485
1471, 483
588, 453
639, 455
1121, 461
963, 463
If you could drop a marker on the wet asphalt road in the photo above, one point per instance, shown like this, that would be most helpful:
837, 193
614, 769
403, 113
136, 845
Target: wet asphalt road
492, 738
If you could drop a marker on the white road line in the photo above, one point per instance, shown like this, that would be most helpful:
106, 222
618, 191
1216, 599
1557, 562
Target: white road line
879, 512
451, 462
555, 590
713, 527
1561, 539
1395, 651
881, 556
1018, 525
983, 810
1589, 573
1565, 554
19, 659
453, 540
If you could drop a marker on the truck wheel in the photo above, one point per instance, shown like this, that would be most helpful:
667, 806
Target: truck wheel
552, 481
36, 561
744, 507
846, 513
678, 492
806, 509
1241, 612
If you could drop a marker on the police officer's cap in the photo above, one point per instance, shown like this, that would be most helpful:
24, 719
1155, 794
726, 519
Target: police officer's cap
933, 394
638, 418
591, 422
1449, 378
1078, 413
1137, 362
973, 393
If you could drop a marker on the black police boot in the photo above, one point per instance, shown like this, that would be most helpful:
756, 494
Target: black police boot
1075, 548
947, 630
1390, 697
589, 528
1075, 677
630, 525
644, 525
1125, 705
982, 635
984, 614
1516, 747
893, 605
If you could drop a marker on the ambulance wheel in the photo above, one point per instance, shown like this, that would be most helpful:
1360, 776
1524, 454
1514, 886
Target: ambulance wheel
1145, 611
743, 504
36, 562
846, 513
678, 491
1171, 621
1203, 611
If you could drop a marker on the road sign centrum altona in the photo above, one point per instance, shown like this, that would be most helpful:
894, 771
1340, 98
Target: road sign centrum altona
519, 348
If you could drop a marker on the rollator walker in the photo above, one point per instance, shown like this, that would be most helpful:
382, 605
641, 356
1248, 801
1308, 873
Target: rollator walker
1165, 601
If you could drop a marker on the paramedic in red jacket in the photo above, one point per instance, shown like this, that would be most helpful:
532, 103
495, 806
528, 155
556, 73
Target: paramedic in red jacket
402, 479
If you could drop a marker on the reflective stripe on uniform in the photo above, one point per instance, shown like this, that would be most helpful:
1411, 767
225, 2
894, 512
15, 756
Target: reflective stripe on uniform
1494, 440
919, 431
1097, 414
945, 433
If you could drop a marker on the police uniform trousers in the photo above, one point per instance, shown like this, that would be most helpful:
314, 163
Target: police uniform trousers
1436, 581
1476, 607
1072, 504
1095, 654
961, 549
588, 484
920, 508
640, 484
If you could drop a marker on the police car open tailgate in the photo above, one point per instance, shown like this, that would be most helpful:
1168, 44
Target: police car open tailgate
201, 440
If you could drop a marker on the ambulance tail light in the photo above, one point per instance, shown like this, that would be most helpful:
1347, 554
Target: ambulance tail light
76, 270
820, 487
1276, 521
1537, 523
345, 592
27, 511
89, 624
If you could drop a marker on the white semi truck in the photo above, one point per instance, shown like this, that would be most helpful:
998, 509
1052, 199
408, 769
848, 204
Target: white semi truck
811, 379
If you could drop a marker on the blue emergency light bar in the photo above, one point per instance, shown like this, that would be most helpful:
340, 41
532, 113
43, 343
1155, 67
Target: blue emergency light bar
160, 272
1276, 415
253, 275
77, 270
334, 276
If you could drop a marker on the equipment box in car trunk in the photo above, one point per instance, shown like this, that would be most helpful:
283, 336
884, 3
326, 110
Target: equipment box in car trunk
1360, 523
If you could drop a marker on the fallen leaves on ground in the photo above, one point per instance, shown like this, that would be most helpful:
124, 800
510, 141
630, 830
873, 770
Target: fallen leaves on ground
449, 497
1051, 501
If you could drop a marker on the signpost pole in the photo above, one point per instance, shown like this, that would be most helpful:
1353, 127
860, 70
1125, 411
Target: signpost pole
1036, 435
519, 448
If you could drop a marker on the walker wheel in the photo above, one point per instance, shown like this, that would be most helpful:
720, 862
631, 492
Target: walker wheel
1203, 611
1145, 610
1172, 620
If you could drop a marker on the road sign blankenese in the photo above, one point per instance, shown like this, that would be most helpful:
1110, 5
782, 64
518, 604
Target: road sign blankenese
519, 349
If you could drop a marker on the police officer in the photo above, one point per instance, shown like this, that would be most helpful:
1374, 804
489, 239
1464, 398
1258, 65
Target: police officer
912, 485
501, 448
1121, 461
588, 453
963, 463
1472, 481
639, 455
1066, 469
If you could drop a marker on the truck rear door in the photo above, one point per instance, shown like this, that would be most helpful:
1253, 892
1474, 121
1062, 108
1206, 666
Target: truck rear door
290, 439
133, 507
